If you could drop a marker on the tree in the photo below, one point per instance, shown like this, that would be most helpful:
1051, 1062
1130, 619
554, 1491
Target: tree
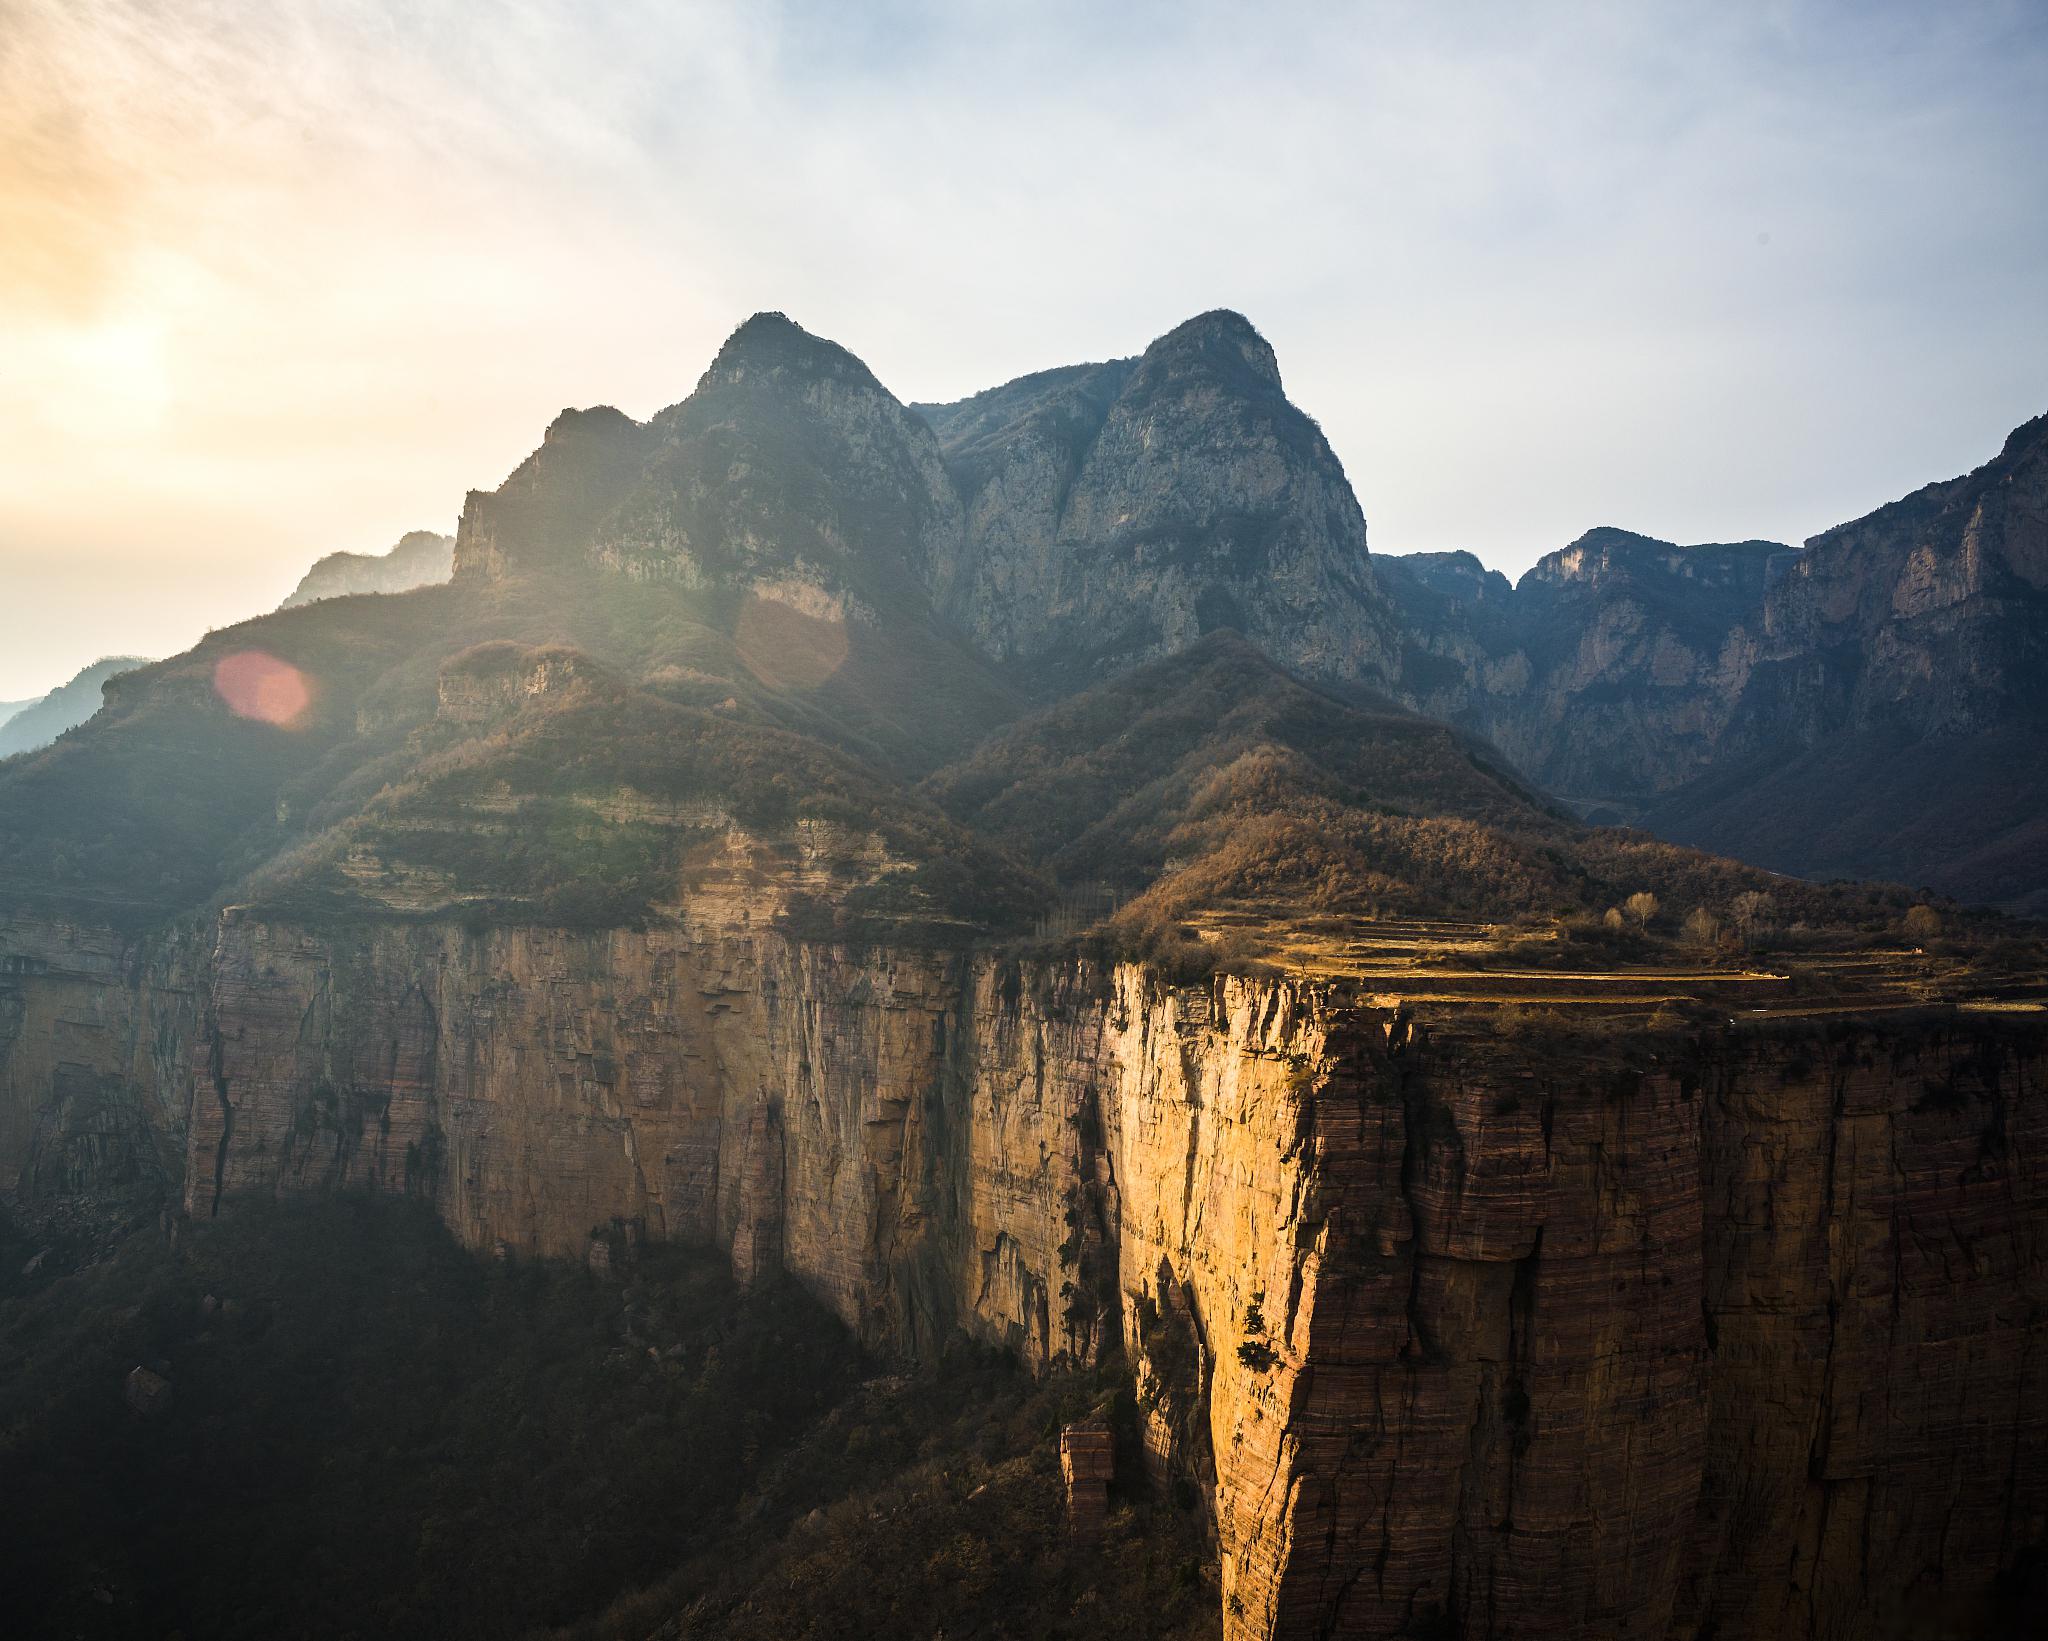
1613, 920
1702, 928
1641, 907
1754, 913
1923, 923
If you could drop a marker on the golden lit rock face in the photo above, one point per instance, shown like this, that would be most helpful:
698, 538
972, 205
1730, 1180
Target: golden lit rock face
1536, 1335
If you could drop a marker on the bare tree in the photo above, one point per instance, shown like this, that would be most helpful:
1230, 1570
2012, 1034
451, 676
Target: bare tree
1641, 907
1702, 928
1923, 923
1754, 914
1613, 920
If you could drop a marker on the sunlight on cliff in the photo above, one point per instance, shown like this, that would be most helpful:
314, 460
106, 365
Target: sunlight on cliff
255, 684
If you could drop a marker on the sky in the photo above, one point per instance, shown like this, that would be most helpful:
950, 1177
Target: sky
281, 278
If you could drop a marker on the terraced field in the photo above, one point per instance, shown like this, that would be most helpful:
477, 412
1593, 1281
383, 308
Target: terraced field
1456, 966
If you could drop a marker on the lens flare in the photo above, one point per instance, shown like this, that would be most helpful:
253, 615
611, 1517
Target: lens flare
788, 646
255, 684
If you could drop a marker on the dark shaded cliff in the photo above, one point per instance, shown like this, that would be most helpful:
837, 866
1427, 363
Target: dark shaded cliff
1871, 706
1903, 658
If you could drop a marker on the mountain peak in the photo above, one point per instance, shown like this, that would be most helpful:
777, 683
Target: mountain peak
597, 421
1221, 342
771, 343
2032, 434
1606, 548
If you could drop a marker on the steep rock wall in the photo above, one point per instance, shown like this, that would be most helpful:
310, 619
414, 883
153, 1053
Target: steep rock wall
1456, 1331
96, 1035
1735, 1338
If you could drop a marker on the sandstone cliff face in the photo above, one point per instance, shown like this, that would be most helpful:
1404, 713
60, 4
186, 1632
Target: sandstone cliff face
1874, 1237
1527, 1336
1705, 1350
96, 1040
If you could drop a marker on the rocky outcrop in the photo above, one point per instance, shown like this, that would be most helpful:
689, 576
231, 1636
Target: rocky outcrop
1069, 523
1087, 1466
1115, 513
421, 559
789, 465
1523, 1334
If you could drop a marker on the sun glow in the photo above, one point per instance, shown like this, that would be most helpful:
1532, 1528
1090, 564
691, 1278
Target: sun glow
95, 382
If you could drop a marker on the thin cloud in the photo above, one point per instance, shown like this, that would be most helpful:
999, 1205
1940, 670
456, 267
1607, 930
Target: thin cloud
289, 277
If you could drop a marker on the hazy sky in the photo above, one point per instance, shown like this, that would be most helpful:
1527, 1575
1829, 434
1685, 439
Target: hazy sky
278, 278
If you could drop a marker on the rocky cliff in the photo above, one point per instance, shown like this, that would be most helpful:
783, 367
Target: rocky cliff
789, 462
1066, 525
1895, 720
1870, 706
1608, 672
1116, 513
1502, 1331
665, 874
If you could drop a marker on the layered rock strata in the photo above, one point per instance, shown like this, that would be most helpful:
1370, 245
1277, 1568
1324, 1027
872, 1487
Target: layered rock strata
1500, 1334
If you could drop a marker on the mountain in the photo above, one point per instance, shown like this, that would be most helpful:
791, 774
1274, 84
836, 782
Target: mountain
420, 559
1602, 673
1117, 512
32, 724
1873, 705
790, 506
1895, 719
761, 953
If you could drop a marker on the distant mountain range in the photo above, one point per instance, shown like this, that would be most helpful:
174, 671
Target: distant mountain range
31, 724
420, 558
1870, 706
1875, 705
